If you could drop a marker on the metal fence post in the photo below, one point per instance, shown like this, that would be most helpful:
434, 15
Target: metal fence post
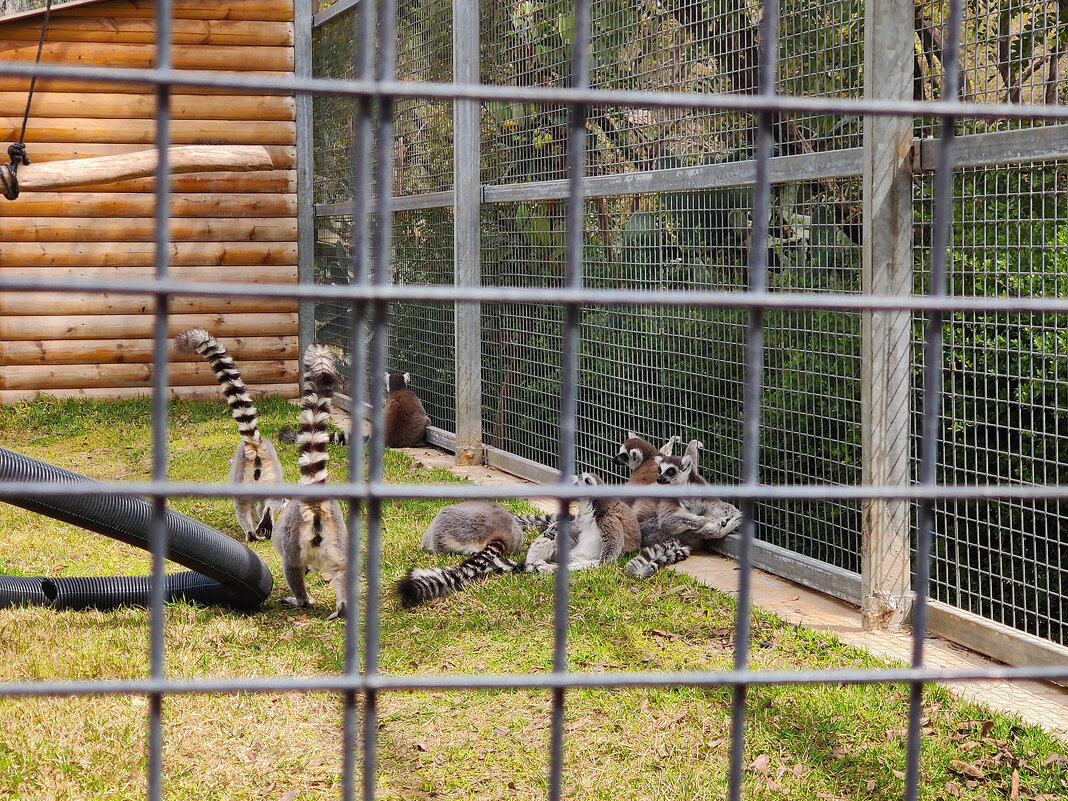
886, 336
466, 233
302, 67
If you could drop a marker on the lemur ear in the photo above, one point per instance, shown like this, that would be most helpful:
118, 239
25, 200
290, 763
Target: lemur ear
693, 448
407, 379
687, 462
631, 435
669, 447
659, 458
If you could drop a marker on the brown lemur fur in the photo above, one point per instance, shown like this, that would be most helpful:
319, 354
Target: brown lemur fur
255, 460
406, 419
683, 524
640, 456
312, 534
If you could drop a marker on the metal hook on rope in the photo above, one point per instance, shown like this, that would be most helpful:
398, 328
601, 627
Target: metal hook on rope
17, 152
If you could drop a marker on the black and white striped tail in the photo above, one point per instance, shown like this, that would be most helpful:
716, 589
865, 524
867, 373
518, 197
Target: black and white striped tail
651, 559
320, 382
200, 341
422, 585
541, 522
334, 437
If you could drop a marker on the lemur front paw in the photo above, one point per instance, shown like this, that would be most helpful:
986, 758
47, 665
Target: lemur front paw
298, 603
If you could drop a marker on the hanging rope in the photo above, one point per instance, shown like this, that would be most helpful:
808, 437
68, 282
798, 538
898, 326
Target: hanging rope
17, 152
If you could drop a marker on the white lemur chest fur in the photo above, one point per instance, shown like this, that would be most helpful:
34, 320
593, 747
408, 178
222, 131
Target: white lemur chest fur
588, 545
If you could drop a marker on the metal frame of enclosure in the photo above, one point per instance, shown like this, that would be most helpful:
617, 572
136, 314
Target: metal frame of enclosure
897, 485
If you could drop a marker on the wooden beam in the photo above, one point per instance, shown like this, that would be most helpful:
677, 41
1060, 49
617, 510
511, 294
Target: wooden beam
113, 105
142, 30
143, 56
79, 376
69, 303
118, 326
130, 204
142, 254
135, 351
189, 229
283, 157
143, 132
15, 83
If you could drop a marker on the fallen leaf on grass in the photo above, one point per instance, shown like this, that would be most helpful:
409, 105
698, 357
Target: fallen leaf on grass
760, 764
1014, 790
966, 769
840, 751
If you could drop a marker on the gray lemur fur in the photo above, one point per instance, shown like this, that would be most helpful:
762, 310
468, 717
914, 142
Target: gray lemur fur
467, 527
601, 530
255, 460
686, 522
312, 534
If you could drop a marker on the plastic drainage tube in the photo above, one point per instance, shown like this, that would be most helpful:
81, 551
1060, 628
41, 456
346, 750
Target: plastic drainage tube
225, 572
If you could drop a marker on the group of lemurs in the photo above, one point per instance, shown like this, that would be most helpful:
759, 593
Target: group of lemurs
307, 534
311, 534
600, 530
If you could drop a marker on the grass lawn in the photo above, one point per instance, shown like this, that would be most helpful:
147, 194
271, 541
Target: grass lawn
820, 743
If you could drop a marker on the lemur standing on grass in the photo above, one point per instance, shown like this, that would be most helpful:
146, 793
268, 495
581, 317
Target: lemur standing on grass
255, 460
681, 525
312, 534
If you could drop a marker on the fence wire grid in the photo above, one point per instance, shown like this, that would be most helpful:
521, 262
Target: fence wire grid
740, 289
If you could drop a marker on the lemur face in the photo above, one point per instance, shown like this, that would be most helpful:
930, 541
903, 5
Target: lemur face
674, 469
631, 457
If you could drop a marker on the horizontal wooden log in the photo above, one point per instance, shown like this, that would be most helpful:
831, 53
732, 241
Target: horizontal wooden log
12, 83
278, 10
143, 132
37, 303
12, 396
250, 274
142, 30
143, 56
129, 204
110, 105
58, 174
280, 182
187, 229
283, 157
77, 376
141, 254
136, 351
119, 326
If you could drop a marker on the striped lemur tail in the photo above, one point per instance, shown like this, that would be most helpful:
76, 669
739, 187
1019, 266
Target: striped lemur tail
541, 522
651, 559
320, 383
200, 341
335, 437
422, 585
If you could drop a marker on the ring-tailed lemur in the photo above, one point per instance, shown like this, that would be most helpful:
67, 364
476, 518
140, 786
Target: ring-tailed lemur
312, 534
640, 457
681, 525
334, 437
406, 419
484, 531
601, 530
255, 460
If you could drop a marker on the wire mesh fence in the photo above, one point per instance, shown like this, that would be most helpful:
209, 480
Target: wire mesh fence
728, 312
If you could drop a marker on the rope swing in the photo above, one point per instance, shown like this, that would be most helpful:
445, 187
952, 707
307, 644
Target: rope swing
19, 173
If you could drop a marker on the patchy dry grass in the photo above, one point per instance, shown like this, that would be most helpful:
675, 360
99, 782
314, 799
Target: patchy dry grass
805, 743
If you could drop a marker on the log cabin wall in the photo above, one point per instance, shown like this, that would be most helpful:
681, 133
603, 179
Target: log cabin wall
238, 227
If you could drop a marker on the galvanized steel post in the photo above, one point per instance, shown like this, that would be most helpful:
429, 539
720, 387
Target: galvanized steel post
886, 336
466, 233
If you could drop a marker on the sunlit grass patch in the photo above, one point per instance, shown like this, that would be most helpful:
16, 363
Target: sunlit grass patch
810, 743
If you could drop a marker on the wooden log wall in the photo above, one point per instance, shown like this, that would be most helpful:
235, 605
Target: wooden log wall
230, 227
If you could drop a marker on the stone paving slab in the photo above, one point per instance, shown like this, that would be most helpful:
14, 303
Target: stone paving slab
1037, 703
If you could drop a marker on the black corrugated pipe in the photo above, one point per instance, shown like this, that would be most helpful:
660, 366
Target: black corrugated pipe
226, 572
